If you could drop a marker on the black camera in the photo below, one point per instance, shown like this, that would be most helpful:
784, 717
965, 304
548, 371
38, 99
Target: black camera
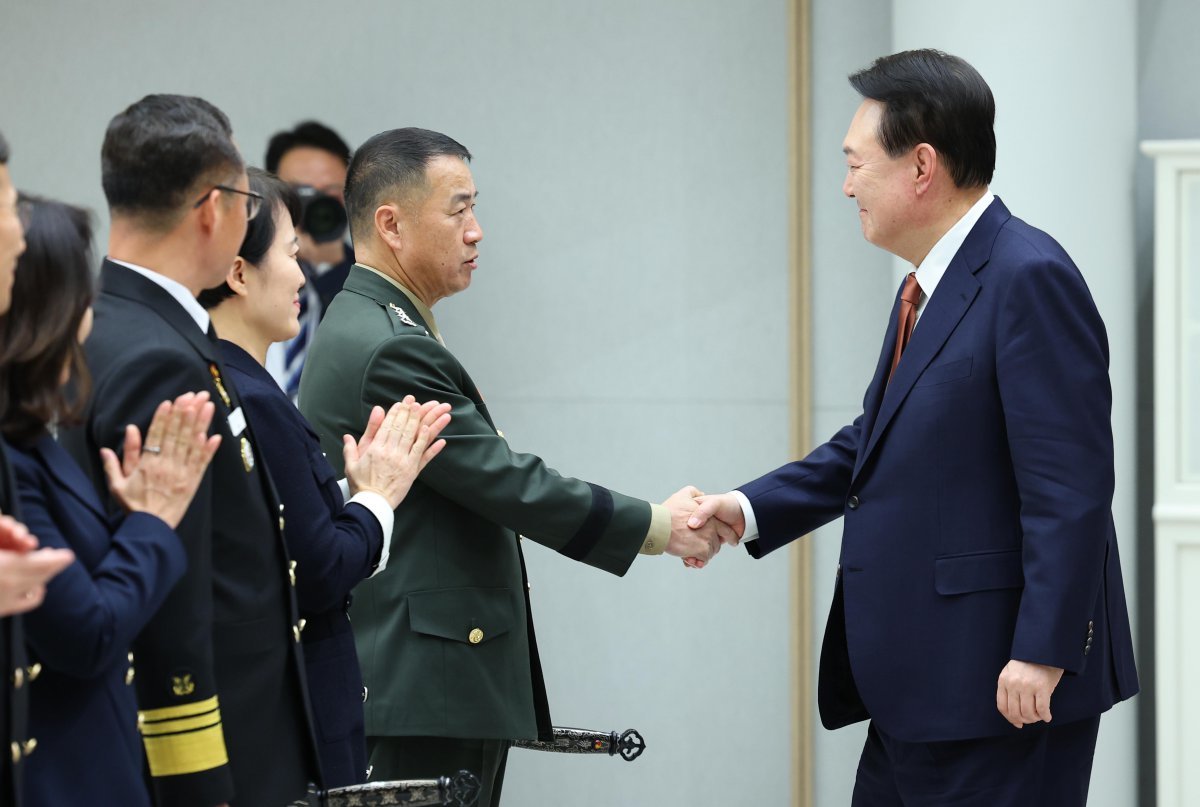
322, 216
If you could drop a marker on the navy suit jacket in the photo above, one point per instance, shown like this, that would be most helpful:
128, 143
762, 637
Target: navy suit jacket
977, 490
14, 700
335, 547
83, 709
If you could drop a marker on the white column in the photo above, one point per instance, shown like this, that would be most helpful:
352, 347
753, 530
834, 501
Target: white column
1063, 75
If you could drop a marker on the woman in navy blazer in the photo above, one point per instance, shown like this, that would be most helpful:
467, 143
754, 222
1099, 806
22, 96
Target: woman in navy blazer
83, 712
334, 543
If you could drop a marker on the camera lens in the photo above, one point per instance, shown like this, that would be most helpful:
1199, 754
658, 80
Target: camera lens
322, 216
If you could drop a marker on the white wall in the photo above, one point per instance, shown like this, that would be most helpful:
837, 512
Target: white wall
852, 296
628, 321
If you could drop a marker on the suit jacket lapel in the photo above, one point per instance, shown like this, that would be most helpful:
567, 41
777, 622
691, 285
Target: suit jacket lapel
879, 382
120, 281
68, 475
944, 310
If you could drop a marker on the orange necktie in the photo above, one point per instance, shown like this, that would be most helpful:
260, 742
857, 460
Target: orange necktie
910, 295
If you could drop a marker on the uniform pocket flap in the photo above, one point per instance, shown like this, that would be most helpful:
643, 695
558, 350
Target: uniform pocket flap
978, 571
322, 471
470, 615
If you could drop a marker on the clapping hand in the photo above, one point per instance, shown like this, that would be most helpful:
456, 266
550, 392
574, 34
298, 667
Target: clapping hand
161, 476
25, 569
395, 448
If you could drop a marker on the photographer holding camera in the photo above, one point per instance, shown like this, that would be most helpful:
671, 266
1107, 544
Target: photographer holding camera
312, 158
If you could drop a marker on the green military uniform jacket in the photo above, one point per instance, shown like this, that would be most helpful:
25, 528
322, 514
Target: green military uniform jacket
445, 635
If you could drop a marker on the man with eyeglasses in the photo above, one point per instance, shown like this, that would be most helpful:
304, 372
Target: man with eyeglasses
223, 712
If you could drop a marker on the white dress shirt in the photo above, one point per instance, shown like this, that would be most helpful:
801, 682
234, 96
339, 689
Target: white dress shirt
929, 274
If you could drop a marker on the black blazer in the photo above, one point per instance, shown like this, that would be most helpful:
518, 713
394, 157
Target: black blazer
220, 672
83, 711
14, 695
335, 546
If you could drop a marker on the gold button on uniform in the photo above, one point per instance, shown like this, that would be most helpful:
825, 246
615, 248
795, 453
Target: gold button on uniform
33, 672
296, 632
129, 677
141, 721
30, 746
292, 572
16, 752
18, 677
475, 636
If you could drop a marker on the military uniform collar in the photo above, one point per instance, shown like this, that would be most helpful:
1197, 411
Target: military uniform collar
422, 309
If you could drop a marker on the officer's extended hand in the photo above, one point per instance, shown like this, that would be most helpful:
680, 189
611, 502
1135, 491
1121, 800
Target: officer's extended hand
696, 546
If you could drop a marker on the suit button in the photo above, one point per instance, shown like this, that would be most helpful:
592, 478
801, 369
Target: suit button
129, 674
364, 694
18, 677
852, 502
475, 636
32, 673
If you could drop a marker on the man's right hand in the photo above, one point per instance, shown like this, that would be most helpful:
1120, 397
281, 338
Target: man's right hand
698, 544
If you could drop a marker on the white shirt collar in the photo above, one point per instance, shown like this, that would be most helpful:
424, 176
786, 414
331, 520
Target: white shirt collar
930, 272
180, 292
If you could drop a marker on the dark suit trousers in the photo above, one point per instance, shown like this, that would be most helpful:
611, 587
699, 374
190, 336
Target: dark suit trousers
1039, 766
430, 757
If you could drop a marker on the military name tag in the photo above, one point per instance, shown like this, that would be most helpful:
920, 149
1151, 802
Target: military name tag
237, 422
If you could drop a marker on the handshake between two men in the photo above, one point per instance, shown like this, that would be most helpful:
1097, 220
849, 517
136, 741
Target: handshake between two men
700, 524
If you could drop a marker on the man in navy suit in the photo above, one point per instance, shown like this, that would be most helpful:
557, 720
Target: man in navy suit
979, 617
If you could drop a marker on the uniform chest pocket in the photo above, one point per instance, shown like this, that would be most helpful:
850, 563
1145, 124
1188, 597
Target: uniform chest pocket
469, 615
945, 373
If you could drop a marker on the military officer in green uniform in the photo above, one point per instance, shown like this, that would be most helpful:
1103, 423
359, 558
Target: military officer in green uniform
446, 635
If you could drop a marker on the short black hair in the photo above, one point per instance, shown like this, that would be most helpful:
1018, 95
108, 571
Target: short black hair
391, 162
260, 232
309, 133
52, 290
3, 150
159, 150
935, 98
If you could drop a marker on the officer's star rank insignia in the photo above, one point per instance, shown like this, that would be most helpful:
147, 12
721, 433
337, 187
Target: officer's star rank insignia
182, 684
216, 375
247, 455
399, 312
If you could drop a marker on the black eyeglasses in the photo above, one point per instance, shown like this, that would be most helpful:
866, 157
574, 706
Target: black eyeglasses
253, 200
